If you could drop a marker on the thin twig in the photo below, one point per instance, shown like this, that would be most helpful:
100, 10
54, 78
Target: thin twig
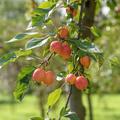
46, 60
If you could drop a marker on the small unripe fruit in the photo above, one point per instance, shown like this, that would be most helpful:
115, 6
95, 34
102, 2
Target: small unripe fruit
70, 78
81, 83
63, 32
85, 61
56, 46
39, 75
50, 78
66, 51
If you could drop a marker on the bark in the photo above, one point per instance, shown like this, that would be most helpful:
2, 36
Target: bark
76, 103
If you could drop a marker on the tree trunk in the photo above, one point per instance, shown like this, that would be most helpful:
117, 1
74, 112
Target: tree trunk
76, 103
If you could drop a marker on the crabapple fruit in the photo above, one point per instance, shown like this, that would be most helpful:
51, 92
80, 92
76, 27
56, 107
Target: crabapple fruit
81, 83
70, 78
50, 78
85, 61
56, 46
39, 75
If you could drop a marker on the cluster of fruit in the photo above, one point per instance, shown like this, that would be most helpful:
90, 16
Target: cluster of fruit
80, 82
46, 77
63, 49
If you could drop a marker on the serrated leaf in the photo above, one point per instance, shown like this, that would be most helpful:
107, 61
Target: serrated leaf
23, 36
35, 43
23, 81
13, 56
36, 118
72, 116
54, 97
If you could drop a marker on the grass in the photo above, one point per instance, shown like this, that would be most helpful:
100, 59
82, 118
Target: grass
106, 107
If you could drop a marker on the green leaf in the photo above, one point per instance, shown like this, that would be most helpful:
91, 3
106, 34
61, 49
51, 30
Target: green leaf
35, 43
36, 118
96, 32
46, 4
13, 56
63, 112
41, 15
23, 36
87, 48
72, 116
23, 81
54, 97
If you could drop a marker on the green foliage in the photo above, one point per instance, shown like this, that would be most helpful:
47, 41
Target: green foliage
85, 47
23, 82
23, 36
41, 21
42, 14
34, 43
54, 97
13, 56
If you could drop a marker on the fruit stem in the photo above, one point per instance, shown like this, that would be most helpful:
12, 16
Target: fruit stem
47, 60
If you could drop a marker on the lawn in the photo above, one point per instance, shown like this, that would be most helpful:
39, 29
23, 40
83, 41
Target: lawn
106, 107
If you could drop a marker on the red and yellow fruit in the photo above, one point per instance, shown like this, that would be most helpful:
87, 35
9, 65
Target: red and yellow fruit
56, 46
39, 75
81, 83
63, 32
66, 51
50, 78
85, 61
70, 78
63, 49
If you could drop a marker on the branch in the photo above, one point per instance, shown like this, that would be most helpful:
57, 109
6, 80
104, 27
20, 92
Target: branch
46, 60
